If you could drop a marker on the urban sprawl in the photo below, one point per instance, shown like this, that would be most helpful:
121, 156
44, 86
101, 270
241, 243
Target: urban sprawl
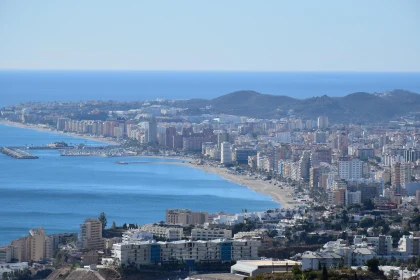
350, 196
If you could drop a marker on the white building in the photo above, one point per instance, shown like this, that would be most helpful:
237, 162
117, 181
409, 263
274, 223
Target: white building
136, 235
408, 246
226, 153
162, 232
350, 169
210, 234
381, 243
312, 260
149, 252
255, 267
323, 122
229, 220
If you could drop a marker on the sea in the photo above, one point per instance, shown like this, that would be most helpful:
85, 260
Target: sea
20, 86
59, 192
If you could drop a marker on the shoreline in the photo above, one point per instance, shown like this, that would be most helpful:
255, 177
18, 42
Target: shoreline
43, 129
283, 196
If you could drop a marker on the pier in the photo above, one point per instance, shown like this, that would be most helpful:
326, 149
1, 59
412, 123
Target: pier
17, 153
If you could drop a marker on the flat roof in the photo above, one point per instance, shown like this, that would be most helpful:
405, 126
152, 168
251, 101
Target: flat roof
269, 262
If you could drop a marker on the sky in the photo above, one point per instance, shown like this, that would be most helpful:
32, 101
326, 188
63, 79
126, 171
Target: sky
214, 35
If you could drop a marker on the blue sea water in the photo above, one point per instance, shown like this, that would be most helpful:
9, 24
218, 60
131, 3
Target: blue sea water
58, 193
19, 86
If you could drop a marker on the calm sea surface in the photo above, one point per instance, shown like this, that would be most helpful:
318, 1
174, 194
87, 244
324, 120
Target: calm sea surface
58, 193
18, 86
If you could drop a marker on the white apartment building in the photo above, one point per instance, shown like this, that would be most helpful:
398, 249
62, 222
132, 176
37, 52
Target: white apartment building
382, 243
167, 233
210, 234
226, 153
136, 235
229, 220
408, 246
250, 234
350, 169
149, 252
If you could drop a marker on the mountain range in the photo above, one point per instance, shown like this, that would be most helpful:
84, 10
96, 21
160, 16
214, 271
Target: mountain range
358, 107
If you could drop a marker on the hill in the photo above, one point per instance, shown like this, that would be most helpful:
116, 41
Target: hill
358, 107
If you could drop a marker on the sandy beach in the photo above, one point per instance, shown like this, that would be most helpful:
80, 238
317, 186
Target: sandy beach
46, 129
283, 195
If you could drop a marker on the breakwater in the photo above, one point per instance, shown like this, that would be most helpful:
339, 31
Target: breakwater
17, 153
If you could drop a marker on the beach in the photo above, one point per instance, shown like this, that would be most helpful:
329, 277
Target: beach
282, 194
48, 129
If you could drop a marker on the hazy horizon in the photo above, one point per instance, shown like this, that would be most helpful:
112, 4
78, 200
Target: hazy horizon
269, 36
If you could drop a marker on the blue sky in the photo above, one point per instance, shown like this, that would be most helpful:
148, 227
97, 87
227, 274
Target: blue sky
358, 35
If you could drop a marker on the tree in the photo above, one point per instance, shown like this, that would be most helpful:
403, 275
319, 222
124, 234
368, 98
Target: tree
324, 273
296, 270
392, 274
102, 218
366, 222
114, 226
373, 265
368, 204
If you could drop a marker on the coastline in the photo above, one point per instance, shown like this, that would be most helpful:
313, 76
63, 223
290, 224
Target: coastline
283, 196
281, 193
43, 129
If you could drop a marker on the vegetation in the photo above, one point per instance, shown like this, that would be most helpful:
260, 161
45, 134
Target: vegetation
102, 218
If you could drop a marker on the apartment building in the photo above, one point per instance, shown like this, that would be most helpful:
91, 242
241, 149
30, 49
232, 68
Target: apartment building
350, 168
31, 247
7, 253
381, 243
210, 233
149, 252
185, 217
164, 232
91, 235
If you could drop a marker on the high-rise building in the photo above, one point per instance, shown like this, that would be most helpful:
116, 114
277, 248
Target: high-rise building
322, 122
170, 133
61, 123
226, 153
221, 138
7, 254
349, 168
151, 132
304, 166
185, 217
401, 174
240, 155
31, 247
91, 235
